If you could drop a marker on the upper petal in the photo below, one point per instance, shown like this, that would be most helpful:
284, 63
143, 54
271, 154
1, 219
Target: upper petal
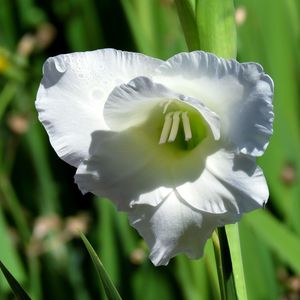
140, 96
173, 227
130, 161
240, 93
73, 91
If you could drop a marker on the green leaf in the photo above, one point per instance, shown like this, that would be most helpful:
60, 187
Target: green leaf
15, 286
216, 27
6, 96
219, 263
110, 289
149, 282
8, 253
262, 284
268, 27
212, 274
224, 265
188, 23
158, 32
233, 238
277, 236
107, 242
192, 278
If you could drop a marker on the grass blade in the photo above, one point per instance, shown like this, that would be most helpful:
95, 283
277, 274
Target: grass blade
188, 23
6, 96
216, 26
268, 27
262, 284
110, 290
265, 225
224, 265
9, 254
211, 268
15, 286
233, 238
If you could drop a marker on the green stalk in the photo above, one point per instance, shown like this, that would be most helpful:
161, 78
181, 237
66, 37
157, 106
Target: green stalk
224, 266
188, 23
216, 27
233, 238
219, 263
215, 32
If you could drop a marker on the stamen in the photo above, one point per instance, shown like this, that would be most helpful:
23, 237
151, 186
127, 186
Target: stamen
186, 126
175, 126
166, 128
166, 106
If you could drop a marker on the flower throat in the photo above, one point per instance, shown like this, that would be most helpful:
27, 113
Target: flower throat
183, 125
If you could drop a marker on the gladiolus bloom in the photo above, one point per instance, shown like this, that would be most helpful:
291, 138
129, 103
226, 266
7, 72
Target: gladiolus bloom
173, 143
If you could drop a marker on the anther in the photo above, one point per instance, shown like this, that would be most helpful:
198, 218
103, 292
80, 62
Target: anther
166, 105
186, 126
175, 126
166, 128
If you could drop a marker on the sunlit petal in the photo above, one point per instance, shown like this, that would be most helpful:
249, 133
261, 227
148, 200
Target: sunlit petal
229, 183
172, 143
240, 93
73, 91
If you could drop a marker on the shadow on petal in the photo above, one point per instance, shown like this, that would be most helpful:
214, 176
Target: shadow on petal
54, 72
124, 165
173, 227
244, 163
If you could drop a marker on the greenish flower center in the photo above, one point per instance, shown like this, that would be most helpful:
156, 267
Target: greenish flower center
182, 125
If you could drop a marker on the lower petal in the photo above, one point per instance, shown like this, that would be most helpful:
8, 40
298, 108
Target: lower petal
229, 182
173, 227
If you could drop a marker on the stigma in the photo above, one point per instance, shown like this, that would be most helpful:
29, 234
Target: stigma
171, 127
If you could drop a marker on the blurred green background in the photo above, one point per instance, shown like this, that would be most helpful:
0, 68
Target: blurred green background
41, 208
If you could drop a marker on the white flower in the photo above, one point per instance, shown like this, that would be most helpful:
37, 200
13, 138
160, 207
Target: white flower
173, 142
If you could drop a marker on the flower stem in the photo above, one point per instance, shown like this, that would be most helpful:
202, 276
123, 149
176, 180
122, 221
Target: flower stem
224, 265
188, 22
216, 27
219, 263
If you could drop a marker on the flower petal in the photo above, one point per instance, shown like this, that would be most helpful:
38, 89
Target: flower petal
73, 91
125, 165
229, 183
173, 227
137, 98
240, 93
